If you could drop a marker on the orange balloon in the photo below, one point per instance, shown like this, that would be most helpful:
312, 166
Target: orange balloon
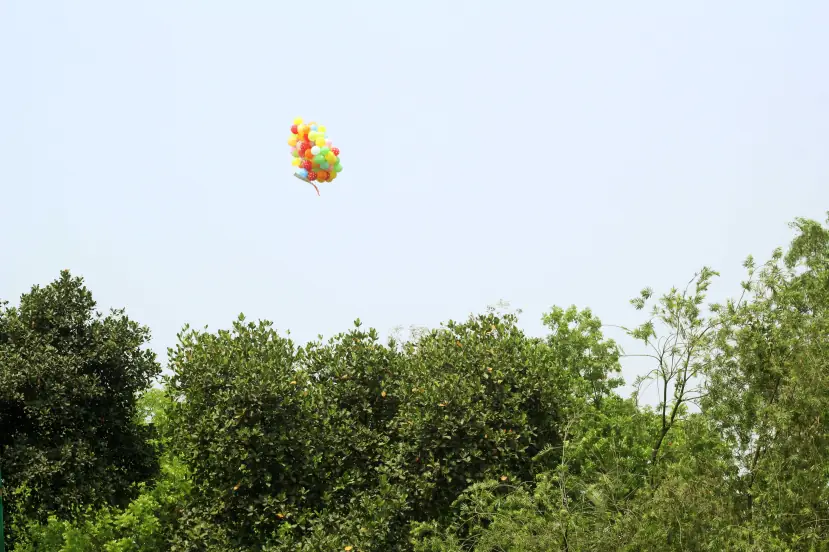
322, 175
308, 154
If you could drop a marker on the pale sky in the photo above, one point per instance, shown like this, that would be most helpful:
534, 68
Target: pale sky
541, 152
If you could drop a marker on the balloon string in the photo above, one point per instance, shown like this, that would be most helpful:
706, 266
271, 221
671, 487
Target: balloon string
315, 187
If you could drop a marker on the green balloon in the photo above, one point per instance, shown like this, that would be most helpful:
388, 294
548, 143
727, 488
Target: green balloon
324, 150
338, 168
318, 159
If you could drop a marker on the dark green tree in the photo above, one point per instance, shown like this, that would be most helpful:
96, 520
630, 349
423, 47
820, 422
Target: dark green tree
69, 381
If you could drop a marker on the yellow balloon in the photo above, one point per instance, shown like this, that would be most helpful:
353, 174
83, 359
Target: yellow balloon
292, 140
295, 161
321, 129
320, 142
330, 157
312, 135
302, 129
298, 121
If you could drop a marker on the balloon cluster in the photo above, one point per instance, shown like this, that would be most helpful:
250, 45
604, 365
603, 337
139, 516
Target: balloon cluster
314, 155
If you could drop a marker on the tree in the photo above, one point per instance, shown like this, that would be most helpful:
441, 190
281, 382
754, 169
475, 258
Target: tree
678, 336
345, 443
69, 380
735, 456
769, 393
471, 436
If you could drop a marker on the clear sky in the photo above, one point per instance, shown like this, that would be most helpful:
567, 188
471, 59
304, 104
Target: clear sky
541, 152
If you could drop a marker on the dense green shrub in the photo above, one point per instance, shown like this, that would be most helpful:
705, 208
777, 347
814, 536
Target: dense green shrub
145, 525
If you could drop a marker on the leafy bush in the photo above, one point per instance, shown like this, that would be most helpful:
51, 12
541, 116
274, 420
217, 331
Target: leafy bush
145, 525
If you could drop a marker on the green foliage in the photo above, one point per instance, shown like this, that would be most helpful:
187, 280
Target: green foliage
735, 456
469, 437
144, 525
769, 392
68, 382
678, 337
580, 348
283, 440
603, 461
477, 399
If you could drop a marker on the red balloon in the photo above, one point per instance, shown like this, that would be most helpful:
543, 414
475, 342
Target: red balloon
312, 176
335, 151
306, 165
294, 129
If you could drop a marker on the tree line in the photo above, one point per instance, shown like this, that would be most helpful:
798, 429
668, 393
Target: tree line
472, 436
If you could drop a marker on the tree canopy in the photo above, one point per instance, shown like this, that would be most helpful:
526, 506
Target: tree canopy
69, 380
472, 436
